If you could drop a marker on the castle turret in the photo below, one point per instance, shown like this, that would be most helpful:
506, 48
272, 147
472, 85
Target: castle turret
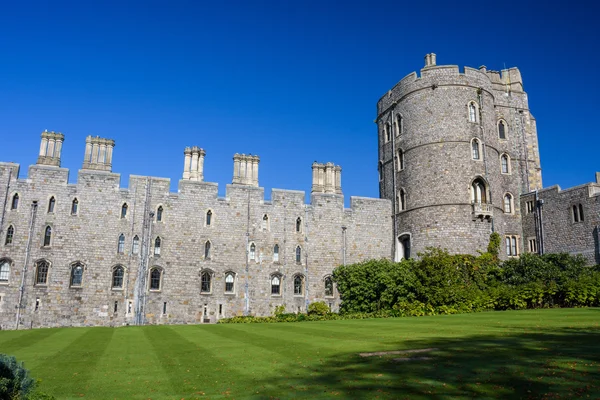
245, 169
456, 149
193, 166
50, 148
98, 153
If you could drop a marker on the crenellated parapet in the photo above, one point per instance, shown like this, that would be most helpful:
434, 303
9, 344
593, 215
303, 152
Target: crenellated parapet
50, 148
98, 153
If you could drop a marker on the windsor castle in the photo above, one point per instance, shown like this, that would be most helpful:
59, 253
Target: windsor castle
458, 159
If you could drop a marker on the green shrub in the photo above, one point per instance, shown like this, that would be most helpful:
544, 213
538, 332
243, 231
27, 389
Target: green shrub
15, 382
318, 308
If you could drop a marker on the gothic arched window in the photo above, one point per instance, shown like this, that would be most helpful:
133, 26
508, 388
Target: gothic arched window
51, 204
118, 274
205, 282
47, 236
10, 232
298, 285
76, 274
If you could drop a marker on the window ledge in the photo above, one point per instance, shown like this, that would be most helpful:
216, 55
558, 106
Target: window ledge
154, 290
117, 289
76, 287
4, 283
229, 293
206, 293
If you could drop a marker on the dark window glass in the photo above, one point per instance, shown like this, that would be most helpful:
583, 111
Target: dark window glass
328, 286
208, 218
157, 243
15, 202
51, 205
47, 236
229, 280
275, 285
121, 246
580, 212
41, 272
159, 214
10, 232
117, 277
124, 210
76, 275
74, 207
298, 224
501, 130
207, 250
298, 285
205, 282
298, 254
155, 279
135, 247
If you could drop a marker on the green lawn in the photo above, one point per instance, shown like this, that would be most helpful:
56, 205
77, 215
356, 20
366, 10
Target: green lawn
518, 354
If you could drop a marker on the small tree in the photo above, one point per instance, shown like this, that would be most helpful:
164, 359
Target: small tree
494, 245
318, 308
15, 382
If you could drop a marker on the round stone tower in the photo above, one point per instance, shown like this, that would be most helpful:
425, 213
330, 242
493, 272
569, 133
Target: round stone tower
456, 150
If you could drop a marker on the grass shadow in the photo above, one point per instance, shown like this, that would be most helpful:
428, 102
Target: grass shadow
557, 363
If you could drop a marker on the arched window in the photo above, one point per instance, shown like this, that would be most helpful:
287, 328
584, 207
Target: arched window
15, 202
298, 285
121, 245
76, 274
472, 112
47, 236
155, 278
124, 208
118, 274
475, 149
402, 198
265, 223
399, 125
157, 243
400, 159
388, 133
404, 247
4, 271
207, 250
10, 233
276, 285
508, 200
478, 191
159, 214
75, 206
276, 253
229, 282
51, 204
205, 282
380, 170
299, 224
501, 129
580, 212
135, 245
42, 268
298, 255
511, 246
208, 217
504, 164
252, 252
328, 286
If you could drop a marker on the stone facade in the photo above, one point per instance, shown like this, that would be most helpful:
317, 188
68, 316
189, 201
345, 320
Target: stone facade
567, 220
201, 236
445, 192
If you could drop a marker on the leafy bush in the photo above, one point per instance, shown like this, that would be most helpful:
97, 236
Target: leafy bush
15, 382
318, 308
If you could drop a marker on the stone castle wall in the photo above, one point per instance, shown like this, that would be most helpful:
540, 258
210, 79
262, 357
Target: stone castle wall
552, 224
438, 168
329, 235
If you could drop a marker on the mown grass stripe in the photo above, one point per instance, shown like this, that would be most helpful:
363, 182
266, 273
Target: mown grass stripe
67, 372
211, 374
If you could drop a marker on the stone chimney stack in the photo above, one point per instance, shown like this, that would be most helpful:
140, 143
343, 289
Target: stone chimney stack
327, 178
193, 166
98, 153
430, 60
245, 169
50, 148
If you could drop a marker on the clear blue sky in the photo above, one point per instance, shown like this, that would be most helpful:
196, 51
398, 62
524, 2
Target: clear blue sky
291, 81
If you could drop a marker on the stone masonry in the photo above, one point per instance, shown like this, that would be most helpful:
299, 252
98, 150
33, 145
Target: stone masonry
91, 228
427, 126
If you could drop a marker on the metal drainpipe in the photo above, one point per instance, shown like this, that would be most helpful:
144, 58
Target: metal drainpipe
246, 285
344, 245
5, 202
307, 302
538, 206
483, 145
27, 251
395, 194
